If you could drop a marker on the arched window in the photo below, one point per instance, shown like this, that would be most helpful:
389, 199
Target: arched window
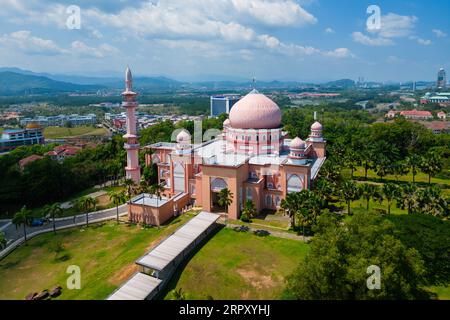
249, 193
218, 184
277, 201
156, 159
294, 184
268, 201
178, 177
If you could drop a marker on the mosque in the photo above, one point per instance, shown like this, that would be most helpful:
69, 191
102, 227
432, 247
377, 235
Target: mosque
252, 157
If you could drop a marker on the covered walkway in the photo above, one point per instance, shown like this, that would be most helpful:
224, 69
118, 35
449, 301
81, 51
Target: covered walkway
158, 265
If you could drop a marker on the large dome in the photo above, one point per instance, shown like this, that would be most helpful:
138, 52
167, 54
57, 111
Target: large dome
255, 111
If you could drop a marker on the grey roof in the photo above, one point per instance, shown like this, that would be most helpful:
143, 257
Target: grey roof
163, 254
138, 287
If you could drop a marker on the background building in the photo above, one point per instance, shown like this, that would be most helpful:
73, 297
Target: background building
222, 104
13, 138
442, 79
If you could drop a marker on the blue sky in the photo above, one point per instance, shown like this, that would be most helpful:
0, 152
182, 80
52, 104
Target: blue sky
307, 40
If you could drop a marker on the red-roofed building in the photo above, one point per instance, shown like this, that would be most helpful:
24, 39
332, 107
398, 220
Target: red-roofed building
28, 160
442, 115
59, 153
416, 114
438, 127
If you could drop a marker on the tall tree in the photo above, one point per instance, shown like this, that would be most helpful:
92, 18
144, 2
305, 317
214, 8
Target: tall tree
290, 205
129, 186
54, 211
390, 192
336, 266
414, 162
117, 198
431, 164
3, 240
22, 218
367, 191
225, 198
349, 192
408, 197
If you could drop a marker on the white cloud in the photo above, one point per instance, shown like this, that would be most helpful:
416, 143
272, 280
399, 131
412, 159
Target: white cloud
439, 33
392, 26
329, 31
395, 26
82, 49
424, 42
27, 43
275, 12
339, 53
369, 41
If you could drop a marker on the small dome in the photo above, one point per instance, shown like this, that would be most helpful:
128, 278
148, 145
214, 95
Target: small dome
316, 126
226, 123
33, 125
255, 111
297, 144
184, 137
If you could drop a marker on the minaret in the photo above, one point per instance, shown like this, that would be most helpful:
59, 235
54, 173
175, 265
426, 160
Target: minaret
132, 169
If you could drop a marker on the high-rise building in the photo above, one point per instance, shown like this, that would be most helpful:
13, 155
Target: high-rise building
131, 145
222, 104
442, 79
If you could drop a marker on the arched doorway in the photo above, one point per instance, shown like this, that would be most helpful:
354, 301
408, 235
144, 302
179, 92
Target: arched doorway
217, 185
294, 183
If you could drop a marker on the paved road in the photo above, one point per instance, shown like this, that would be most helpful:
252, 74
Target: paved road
13, 234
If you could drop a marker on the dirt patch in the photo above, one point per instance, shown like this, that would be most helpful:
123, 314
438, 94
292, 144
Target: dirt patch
123, 275
257, 279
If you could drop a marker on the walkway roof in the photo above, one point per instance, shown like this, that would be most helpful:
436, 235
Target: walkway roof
138, 287
163, 254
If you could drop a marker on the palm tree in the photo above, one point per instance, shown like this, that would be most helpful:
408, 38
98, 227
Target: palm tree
367, 191
22, 218
408, 197
324, 189
54, 211
87, 204
351, 161
129, 185
390, 192
431, 164
157, 189
350, 192
225, 198
399, 169
3, 240
414, 162
290, 205
431, 202
117, 198
249, 209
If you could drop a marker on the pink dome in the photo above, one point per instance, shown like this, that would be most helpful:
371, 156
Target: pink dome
255, 111
226, 123
297, 144
183, 136
316, 126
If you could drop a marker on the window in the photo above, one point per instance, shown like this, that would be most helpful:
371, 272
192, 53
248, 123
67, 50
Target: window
249, 194
295, 184
268, 201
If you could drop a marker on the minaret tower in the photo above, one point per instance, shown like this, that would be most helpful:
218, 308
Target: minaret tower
132, 169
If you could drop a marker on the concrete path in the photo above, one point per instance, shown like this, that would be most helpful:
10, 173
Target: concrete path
274, 233
15, 236
69, 204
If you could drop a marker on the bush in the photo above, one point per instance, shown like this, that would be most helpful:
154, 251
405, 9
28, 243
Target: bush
245, 218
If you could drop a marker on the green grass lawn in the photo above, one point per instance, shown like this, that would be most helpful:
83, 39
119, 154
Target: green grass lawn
63, 132
238, 265
105, 254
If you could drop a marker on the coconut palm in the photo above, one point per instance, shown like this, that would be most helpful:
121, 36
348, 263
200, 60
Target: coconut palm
349, 192
430, 201
407, 198
249, 209
156, 189
367, 192
129, 185
431, 164
225, 198
22, 218
54, 211
117, 198
87, 204
414, 162
390, 192
399, 169
290, 205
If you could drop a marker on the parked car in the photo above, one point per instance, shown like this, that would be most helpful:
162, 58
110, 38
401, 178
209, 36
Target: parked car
37, 222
